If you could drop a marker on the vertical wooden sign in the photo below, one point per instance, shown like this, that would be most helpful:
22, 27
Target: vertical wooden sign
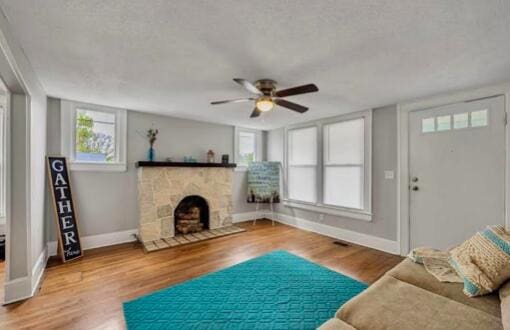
69, 245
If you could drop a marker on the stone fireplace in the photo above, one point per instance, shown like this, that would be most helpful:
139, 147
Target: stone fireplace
178, 197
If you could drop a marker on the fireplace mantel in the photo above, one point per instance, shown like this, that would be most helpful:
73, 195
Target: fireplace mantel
182, 164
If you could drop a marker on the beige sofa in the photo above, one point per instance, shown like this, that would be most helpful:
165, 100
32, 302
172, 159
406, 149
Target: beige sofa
408, 297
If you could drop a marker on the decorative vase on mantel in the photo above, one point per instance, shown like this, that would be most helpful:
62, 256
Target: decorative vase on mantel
152, 134
151, 154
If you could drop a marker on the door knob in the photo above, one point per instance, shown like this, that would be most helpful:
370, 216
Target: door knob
414, 179
415, 188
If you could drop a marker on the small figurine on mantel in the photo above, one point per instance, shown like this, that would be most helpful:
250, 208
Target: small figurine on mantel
210, 156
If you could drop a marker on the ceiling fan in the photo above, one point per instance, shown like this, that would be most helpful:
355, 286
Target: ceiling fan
267, 95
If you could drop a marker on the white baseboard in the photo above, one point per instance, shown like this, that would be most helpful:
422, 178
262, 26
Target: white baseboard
370, 241
26, 287
38, 270
246, 216
386, 245
95, 241
18, 289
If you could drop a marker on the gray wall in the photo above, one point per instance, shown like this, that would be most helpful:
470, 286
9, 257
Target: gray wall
384, 191
107, 202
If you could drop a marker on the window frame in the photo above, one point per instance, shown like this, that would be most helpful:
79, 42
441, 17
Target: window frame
364, 214
68, 137
258, 146
4, 136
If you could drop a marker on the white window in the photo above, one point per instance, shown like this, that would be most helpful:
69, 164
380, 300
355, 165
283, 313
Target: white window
248, 144
344, 162
479, 118
329, 166
93, 137
302, 164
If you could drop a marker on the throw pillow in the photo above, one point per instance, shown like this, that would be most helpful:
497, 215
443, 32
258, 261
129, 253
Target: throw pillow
483, 261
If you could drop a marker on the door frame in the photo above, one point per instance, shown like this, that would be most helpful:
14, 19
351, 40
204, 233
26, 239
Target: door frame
403, 110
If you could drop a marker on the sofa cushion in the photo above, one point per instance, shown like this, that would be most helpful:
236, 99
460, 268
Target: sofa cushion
335, 324
504, 296
483, 261
417, 275
393, 304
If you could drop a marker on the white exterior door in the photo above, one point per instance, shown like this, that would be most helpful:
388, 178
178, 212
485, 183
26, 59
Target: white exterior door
457, 171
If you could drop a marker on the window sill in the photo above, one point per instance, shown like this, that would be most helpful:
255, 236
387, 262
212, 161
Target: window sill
97, 167
348, 213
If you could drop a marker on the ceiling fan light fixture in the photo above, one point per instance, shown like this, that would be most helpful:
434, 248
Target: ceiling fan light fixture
264, 104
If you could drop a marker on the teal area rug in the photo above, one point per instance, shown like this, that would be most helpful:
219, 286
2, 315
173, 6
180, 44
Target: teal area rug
275, 291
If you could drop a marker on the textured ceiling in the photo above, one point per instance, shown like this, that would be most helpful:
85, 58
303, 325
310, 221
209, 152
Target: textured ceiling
174, 57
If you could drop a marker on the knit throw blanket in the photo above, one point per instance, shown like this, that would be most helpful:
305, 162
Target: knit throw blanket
436, 263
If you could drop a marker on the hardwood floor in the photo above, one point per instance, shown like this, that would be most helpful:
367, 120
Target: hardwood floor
88, 294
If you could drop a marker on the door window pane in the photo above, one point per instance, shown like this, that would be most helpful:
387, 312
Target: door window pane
343, 186
302, 184
303, 146
344, 142
443, 123
428, 125
460, 120
479, 118
95, 136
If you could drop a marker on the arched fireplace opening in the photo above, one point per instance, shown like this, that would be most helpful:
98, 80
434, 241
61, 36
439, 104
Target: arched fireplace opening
191, 215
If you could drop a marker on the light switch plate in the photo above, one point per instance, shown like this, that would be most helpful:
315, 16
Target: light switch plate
389, 175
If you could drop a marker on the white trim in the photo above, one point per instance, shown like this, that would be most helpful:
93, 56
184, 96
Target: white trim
67, 124
38, 270
325, 209
370, 241
18, 289
3, 153
366, 213
258, 146
403, 111
246, 216
25, 287
95, 241
98, 167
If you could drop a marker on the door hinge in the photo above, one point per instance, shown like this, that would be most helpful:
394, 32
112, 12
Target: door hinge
505, 120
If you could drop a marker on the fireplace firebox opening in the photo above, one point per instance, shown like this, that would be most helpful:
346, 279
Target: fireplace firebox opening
191, 215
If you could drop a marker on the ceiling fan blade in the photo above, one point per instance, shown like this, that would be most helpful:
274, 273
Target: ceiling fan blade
246, 99
290, 105
256, 112
248, 85
310, 88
